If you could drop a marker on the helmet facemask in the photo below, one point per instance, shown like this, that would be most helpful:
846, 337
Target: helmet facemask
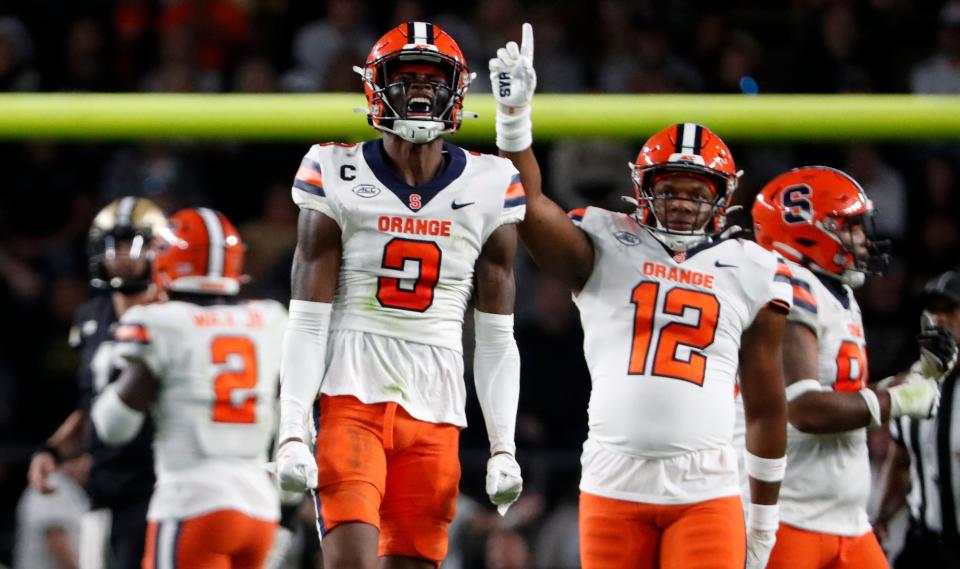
655, 211
859, 254
398, 108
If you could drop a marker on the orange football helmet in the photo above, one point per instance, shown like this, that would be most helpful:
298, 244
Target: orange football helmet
808, 215
420, 43
201, 253
690, 149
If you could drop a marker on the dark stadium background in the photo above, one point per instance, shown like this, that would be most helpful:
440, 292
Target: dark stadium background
49, 191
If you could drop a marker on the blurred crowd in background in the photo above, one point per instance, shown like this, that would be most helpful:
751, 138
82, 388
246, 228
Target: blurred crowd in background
50, 191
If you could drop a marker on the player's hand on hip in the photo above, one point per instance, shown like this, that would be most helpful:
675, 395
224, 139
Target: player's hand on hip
938, 349
759, 546
512, 75
296, 467
917, 397
42, 465
504, 482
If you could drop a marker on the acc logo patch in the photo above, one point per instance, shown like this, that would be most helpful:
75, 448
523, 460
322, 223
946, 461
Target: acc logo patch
627, 238
366, 190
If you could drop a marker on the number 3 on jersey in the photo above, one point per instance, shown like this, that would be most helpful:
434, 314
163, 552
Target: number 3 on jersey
673, 335
397, 293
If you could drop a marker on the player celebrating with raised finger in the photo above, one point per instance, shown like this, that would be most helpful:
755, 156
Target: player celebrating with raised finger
396, 236
671, 309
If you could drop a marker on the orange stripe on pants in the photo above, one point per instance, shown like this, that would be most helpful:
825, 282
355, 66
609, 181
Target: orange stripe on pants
801, 549
225, 539
615, 534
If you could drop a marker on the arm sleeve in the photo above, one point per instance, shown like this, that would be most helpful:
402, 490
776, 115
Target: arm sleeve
308, 191
496, 373
302, 365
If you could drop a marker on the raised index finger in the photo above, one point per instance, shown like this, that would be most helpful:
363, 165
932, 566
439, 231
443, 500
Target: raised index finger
526, 41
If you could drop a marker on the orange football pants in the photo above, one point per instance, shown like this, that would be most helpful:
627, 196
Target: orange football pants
225, 539
380, 466
618, 534
801, 549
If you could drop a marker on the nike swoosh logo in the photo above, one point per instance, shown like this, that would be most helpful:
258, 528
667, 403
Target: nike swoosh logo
720, 265
456, 205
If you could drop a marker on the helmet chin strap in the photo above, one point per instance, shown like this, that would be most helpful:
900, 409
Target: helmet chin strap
416, 131
675, 241
850, 277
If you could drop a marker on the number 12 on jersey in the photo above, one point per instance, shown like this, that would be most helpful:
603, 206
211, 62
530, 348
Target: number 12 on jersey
673, 335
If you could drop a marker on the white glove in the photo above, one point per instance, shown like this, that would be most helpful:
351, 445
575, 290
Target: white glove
762, 523
296, 467
917, 397
513, 81
504, 483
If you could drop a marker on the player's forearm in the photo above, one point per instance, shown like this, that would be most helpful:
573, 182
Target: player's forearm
894, 484
302, 366
496, 372
60, 548
824, 412
68, 439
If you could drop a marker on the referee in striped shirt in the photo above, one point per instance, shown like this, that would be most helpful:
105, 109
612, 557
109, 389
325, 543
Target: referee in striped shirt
923, 466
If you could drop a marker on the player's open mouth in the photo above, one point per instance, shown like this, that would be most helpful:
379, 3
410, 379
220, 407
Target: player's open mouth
419, 107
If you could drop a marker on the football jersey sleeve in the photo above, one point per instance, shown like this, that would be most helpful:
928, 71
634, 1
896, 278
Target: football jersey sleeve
514, 201
781, 293
140, 337
804, 302
308, 191
576, 215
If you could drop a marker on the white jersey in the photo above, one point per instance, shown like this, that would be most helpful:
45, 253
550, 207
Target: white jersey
827, 481
407, 267
662, 338
218, 369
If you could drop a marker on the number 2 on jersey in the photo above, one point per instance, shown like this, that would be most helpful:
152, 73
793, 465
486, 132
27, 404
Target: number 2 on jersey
673, 335
225, 409
391, 291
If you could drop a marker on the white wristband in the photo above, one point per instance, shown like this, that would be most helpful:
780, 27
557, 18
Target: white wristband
873, 405
763, 517
514, 128
765, 469
798, 388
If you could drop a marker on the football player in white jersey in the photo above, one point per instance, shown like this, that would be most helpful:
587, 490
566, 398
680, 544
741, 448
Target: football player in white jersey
815, 217
670, 310
206, 367
396, 235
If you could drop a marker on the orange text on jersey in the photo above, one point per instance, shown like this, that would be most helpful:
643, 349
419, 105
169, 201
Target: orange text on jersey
214, 318
398, 224
855, 330
678, 275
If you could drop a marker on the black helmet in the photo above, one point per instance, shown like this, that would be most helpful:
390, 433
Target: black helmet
137, 220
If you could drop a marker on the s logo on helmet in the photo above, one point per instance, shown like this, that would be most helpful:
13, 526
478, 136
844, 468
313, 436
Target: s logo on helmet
796, 204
